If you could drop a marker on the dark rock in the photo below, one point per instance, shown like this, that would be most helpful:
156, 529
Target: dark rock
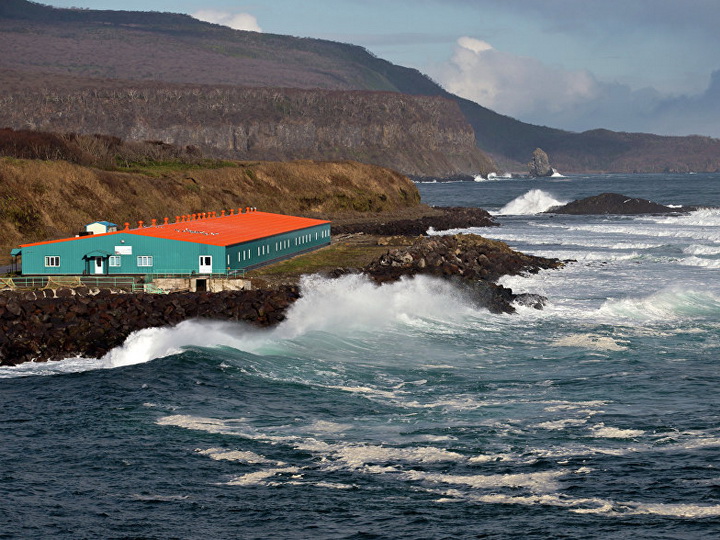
540, 164
450, 218
469, 260
613, 203
73, 324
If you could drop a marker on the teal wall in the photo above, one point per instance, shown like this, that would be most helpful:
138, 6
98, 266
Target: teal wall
168, 256
271, 248
77, 255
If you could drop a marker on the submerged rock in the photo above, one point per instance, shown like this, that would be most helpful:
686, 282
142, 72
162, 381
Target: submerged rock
613, 203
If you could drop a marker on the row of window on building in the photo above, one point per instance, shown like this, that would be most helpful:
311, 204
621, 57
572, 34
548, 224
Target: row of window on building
53, 261
280, 245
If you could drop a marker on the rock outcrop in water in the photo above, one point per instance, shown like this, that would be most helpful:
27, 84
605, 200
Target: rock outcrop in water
540, 164
613, 203
473, 262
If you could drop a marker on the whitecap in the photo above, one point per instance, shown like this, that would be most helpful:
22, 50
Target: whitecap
608, 432
534, 201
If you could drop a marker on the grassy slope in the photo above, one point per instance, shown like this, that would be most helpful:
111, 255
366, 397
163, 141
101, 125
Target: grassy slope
52, 199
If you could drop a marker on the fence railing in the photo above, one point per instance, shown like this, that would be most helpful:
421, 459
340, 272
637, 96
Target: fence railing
171, 273
53, 282
131, 283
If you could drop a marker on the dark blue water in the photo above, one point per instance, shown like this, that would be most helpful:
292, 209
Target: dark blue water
403, 411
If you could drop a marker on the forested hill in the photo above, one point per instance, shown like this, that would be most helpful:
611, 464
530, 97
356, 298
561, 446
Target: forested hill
53, 54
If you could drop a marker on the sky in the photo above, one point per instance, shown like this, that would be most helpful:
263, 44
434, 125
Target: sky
628, 65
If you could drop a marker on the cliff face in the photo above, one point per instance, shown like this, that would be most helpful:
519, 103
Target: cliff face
41, 200
413, 134
78, 49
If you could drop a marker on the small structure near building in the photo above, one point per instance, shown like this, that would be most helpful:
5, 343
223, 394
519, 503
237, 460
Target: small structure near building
197, 247
100, 227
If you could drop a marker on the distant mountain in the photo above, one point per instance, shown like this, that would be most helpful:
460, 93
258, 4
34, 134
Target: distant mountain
51, 56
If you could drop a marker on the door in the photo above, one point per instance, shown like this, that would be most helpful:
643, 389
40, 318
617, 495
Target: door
205, 264
99, 265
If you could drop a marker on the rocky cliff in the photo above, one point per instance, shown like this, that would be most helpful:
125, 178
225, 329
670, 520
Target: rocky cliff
411, 134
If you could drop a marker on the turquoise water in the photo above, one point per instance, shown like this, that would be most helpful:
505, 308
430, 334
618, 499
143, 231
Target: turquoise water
403, 411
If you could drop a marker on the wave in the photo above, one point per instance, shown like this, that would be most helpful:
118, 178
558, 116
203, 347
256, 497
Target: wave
492, 177
701, 262
664, 305
341, 307
703, 217
701, 249
534, 201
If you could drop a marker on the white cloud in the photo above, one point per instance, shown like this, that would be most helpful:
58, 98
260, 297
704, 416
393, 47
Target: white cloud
529, 90
238, 21
513, 85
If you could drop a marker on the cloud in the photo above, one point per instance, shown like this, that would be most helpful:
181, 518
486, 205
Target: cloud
513, 85
530, 90
238, 21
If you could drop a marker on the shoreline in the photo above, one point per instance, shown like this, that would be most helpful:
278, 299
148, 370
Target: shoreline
49, 325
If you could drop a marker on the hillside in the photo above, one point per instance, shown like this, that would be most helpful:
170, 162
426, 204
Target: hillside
61, 54
52, 199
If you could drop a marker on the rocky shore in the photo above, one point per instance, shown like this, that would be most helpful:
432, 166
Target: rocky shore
55, 324
471, 261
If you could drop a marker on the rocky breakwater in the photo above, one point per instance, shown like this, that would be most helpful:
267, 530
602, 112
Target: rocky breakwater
55, 324
473, 262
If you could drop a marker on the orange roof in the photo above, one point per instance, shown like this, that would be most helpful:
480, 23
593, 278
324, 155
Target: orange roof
217, 231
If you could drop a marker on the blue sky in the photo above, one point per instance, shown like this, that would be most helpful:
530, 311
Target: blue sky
626, 65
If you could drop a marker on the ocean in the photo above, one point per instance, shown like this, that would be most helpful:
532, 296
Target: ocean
404, 411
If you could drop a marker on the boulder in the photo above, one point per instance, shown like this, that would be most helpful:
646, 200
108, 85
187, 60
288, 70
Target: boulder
613, 203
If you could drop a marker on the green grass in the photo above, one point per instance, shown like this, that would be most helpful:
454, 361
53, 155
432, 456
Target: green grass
340, 255
162, 168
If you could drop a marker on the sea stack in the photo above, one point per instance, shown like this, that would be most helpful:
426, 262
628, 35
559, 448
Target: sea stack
540, 164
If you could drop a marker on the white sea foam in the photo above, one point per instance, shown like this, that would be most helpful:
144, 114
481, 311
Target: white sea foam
541, 482
607, 507
589, 341
560, 424
702, 249
260, 477
608, 432
354, 302
701, 262
219, 454
534, 201
667, 304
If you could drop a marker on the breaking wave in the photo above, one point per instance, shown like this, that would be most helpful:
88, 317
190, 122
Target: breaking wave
534, 201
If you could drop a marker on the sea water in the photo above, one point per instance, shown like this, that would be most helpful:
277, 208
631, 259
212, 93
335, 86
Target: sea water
404, 411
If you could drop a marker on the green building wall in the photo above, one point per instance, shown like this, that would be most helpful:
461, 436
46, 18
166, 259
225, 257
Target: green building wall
77, 256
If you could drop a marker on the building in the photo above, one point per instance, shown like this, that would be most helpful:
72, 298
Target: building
197, 244
100, 227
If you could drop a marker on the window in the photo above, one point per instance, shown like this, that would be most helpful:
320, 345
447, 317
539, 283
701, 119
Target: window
52, 261
114, 260
144, 260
